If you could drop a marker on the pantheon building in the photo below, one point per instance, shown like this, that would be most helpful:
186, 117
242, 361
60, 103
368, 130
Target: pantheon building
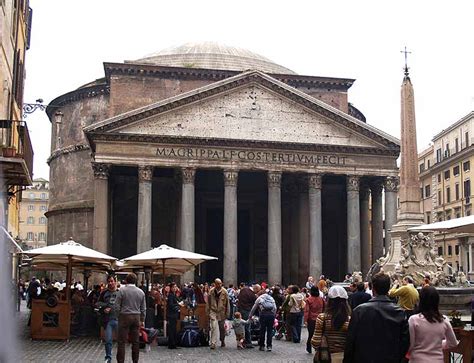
218, 150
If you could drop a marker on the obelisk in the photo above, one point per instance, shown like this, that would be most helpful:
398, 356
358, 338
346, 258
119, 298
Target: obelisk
409, 214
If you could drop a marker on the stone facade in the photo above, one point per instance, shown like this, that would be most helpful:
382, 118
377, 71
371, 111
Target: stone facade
241, 165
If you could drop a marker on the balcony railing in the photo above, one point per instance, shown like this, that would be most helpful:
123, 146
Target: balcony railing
15, 143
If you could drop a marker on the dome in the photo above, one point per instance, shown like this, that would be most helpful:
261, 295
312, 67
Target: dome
211, 55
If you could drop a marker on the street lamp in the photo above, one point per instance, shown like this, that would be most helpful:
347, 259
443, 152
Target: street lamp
29, 108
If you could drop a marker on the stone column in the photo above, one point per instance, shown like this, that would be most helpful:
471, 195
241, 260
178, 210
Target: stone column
469, 257
377, 221
145, 177
187, 215
101, 208
364, 229
315, 226
303, 245
274, 228
390, 187
353, 224
230, 227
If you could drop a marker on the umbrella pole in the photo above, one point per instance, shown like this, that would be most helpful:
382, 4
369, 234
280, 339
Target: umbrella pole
164, 301
68, 279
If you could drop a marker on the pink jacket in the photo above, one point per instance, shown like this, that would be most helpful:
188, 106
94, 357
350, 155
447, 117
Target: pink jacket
427, 340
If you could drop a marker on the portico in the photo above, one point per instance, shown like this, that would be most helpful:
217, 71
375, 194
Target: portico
277, 188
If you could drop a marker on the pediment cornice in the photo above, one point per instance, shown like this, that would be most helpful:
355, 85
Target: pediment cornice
247, 78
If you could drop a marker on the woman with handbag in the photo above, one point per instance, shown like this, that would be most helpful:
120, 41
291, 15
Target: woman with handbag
314, 307
329, 338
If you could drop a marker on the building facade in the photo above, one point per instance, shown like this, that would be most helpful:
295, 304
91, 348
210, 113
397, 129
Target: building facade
16, 156
445, 177
33, 222
220, 151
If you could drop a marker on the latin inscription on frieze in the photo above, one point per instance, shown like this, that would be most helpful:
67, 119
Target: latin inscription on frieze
250, 156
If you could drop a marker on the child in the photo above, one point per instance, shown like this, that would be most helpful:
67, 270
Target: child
239, 328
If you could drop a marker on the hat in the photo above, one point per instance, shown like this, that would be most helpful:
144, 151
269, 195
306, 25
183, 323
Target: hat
337, 291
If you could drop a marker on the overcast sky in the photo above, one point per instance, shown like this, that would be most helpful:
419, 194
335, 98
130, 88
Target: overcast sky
353, 39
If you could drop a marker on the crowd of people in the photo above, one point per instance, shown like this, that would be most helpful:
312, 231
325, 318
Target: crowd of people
380, 321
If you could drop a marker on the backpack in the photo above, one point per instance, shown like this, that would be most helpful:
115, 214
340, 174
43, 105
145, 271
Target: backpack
266, 305
190, 338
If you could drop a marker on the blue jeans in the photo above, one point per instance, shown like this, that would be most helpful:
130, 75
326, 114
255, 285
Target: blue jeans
266, 326
245, 316
109, 328
296, 320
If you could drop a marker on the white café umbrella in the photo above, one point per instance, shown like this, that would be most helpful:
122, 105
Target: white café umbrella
166, 259
457, 225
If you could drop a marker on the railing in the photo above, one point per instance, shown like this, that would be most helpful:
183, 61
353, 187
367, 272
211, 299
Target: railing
15, 142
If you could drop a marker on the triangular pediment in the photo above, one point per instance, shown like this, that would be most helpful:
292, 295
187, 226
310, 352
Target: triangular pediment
253, 107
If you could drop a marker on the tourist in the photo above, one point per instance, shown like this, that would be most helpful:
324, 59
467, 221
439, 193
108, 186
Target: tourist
407, 295
267, 311
238, 324
322, 285
218, 309
378, 330
333, 323
278, 297
296, 304
205, 292
310, 282
430, 332
359, 296
314, 307
244, 305
173, 309
285, 309
131, 308
368, 288
108, 315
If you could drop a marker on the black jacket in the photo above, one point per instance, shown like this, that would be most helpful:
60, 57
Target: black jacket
378, 333
358, 298
172, 307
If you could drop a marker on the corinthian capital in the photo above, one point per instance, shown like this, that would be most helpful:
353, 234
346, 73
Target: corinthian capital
315, 181
352, 183
391, 184
274, 179
188, 175
230, 178
376, 187
145, 173
101, 171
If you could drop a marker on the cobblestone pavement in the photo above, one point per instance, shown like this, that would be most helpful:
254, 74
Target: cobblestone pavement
92, 350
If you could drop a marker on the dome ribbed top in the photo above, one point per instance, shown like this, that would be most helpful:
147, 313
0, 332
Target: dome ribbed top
211, 55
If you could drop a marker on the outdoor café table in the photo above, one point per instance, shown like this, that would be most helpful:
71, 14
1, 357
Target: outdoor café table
464, 348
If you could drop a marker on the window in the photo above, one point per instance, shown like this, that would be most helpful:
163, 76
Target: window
43, 195
456, 250
466, 165
31, 207
439, 178
446, 151
421, 192
31, 195
42, 220
446, 174
429, 163
450, 250
422, 168
43, 208
427, 190
29, 236
30, 220
466, 138
428, 218
438, 155
440, 201
42, 236
456, 191
456, 170
468, 212
440, 251
467, 190
456, 144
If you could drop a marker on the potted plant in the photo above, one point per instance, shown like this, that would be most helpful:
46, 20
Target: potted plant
455, 317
